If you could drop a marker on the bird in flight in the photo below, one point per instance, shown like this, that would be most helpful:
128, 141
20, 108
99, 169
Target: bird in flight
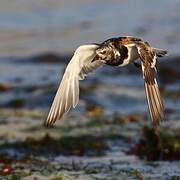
115, 52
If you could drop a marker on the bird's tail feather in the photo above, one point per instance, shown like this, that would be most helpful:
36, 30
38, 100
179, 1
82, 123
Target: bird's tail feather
160, 52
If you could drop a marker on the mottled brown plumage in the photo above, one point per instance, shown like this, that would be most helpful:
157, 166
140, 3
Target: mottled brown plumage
148, 58
128, 40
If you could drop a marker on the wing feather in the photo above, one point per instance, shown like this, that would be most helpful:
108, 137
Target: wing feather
67, 95
154, 99
148, 62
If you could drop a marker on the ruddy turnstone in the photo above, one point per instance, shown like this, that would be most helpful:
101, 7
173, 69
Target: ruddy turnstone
115, 52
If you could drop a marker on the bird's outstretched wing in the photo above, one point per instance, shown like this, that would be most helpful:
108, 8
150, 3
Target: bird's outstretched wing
148, 64
68, 92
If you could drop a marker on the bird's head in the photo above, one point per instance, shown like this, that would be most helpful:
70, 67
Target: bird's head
107, 52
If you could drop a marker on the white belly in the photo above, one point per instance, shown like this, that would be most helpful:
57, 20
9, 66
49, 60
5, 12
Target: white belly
132, 54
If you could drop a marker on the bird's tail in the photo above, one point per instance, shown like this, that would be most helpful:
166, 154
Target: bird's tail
160, 52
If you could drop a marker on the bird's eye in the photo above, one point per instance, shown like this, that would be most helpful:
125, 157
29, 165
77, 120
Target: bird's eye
103, 52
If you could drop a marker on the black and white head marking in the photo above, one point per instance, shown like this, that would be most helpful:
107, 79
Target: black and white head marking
107, 52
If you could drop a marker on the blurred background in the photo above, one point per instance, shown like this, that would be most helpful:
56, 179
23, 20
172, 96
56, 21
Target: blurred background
109, 135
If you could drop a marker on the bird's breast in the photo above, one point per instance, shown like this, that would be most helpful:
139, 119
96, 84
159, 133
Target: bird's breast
119, 55
131, 55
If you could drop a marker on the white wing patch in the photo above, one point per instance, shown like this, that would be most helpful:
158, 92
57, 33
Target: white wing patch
154, 61
68, 92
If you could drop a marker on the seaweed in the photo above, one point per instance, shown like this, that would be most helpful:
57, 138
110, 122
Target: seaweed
68, 145
153, 147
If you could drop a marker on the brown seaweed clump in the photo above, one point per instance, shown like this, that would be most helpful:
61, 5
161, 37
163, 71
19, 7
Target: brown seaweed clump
153, 147
48, 146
